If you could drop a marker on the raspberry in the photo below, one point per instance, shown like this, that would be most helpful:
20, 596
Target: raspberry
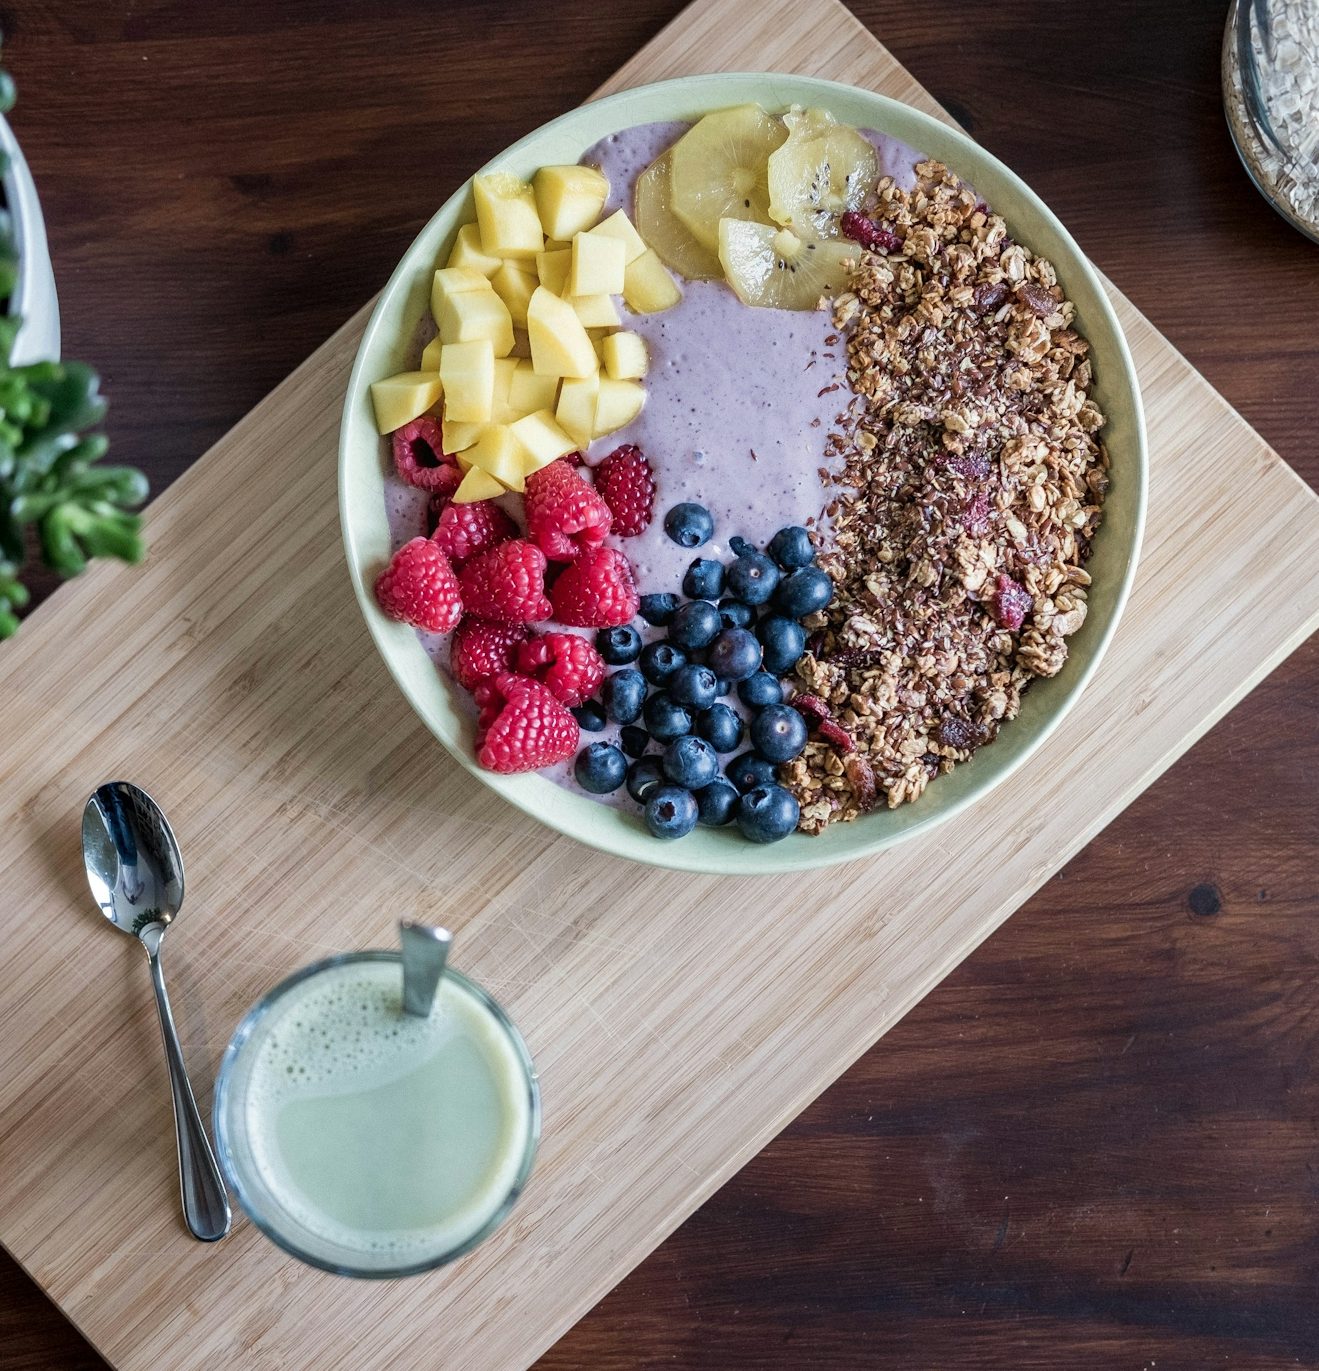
568, 664
975, 517
419, 588
625, 482
522, 726
1009, 603
872, 236
564, 514
971, 466
480, 649
465, 530
595, 591
419, 457
507, 583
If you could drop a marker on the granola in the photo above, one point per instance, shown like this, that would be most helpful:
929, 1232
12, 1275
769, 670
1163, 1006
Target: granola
969, 478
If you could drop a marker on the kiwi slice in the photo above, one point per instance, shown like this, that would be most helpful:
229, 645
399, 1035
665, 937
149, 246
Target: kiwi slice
823, 170
719, 170
772, 267
665, 232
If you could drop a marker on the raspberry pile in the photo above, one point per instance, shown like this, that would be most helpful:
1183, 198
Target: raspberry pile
481, 578
709, 684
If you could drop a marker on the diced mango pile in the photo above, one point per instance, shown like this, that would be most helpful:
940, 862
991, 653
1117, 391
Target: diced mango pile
530, 361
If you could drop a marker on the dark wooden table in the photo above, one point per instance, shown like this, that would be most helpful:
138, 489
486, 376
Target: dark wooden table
1097, 1144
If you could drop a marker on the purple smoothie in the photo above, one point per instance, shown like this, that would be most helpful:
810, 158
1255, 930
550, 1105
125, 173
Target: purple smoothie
739, 404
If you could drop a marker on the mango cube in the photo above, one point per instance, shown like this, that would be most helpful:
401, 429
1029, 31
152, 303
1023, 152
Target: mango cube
597, 265
451, 281
528, 392
553, 268
624, 355
559, 343
595, 311
506, 214
498, 452
467, 371
619, 226
457, 437
477, 314
501, 410
575, 414
466, 252
542, 440
399, 399
476, 485
514, 283
647, 285
430, 354
569, 199
618, 403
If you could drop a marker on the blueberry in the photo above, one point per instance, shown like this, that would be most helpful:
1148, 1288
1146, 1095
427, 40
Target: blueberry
740, 547
784, 642
666, 718
633, 740
624, 693
591, 716
760, 689
748, 770
752, 578
671, 812
803, 592
723, 686
734, 614
600, 768
660, 660
643, 776
689, 524
716, 803
720, 726
791, 547
735, 654
618, 646
690, 762
694, 685
704, 580
778, 732
695, 624
767, 814
658, 609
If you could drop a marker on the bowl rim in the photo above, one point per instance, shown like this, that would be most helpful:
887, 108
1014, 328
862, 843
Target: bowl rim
799, 852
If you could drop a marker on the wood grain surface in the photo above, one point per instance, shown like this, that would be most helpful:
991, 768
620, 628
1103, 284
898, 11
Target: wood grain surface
1093, 1146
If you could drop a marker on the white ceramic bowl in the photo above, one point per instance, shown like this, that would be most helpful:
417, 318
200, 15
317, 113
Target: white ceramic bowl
386, 348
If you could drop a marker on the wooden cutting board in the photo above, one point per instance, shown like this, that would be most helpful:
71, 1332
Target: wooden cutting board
678, 1021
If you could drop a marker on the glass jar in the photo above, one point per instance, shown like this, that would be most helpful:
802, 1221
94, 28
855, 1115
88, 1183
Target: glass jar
1271, 97
366, 1141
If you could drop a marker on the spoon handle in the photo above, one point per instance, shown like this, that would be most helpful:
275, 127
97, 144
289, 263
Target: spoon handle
205, 1204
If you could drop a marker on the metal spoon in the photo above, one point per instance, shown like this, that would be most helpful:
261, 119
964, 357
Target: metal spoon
425, 950
136, 875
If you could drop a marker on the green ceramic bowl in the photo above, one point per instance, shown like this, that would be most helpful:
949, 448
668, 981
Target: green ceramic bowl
385, 349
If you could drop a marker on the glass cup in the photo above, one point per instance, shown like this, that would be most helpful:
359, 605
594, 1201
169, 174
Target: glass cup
366, 1141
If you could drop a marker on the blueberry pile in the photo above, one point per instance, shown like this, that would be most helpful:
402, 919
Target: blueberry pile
732, 633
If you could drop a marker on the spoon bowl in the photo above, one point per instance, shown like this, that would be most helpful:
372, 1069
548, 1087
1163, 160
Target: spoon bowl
135, 872
133, 862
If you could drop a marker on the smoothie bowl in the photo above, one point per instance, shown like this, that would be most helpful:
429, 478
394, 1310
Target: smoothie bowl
746, 460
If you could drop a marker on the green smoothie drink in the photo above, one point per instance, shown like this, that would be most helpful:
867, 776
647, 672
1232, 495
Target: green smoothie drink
369, 1141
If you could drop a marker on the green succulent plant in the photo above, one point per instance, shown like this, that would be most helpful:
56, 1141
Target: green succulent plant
51, 479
